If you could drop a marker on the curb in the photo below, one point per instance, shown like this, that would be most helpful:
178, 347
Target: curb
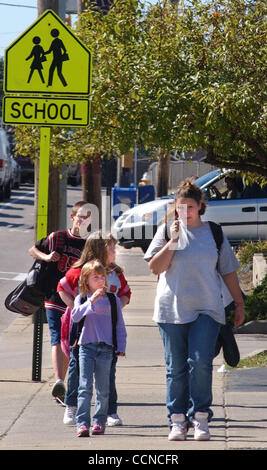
253, 327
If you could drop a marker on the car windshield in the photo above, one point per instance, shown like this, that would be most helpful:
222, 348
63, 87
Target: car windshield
206, 178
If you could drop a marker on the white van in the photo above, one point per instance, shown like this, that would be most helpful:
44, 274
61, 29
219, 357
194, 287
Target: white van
5, 166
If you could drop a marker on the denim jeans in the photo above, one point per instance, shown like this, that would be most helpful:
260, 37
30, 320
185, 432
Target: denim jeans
189, 352
94, 360
73, 378
113, 397
54, 324
71, 395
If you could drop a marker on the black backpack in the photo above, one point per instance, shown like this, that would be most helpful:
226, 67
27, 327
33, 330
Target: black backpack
76, 328
28, 296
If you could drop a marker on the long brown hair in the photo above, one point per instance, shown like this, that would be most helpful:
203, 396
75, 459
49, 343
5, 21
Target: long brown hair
188, 190
95, 248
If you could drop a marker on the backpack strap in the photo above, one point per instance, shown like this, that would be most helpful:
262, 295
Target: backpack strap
113, 305
217, 235
79, 326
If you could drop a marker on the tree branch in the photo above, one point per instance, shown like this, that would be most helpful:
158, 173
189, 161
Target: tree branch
235, 162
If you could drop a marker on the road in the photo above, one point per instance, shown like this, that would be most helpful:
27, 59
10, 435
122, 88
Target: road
17, 236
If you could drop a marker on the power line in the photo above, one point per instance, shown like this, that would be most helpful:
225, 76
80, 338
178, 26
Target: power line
14, 5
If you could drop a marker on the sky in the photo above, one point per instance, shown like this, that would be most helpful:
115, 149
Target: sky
15, 17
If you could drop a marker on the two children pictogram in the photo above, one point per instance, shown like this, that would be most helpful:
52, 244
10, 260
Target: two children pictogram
58, 49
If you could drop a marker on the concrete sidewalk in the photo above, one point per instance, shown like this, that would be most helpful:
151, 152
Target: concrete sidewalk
32, 420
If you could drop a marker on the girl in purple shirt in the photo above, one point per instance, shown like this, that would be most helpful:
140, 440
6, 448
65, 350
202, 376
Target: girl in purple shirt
96, 346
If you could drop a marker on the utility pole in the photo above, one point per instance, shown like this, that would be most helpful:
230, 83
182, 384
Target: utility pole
57, 200
91, 169
163, 173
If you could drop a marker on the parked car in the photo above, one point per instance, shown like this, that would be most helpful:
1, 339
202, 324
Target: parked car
5, 166
15, 174
26, 168
242, 218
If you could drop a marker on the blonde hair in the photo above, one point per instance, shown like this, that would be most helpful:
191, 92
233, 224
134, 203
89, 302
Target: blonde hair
87, 269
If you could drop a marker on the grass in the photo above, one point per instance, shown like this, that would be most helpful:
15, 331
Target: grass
259, 360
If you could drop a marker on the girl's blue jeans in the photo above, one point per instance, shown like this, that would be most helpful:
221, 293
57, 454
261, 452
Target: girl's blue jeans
189, 352
71, 396
94, 361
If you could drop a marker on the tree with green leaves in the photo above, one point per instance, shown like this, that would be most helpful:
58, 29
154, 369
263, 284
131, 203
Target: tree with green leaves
187, 76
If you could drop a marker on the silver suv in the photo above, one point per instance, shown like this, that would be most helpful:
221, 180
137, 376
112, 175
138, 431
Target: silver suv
242, 211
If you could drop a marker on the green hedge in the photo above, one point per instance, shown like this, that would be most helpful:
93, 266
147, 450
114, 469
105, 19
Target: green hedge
256, 302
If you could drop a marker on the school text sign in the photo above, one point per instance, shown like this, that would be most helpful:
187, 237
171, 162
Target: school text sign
42, 111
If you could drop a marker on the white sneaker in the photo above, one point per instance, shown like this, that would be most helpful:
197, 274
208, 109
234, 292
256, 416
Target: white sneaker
179, 428
201, 428
70, 415
114, 420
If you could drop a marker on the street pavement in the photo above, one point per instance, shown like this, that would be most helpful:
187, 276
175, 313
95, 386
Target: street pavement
32, 420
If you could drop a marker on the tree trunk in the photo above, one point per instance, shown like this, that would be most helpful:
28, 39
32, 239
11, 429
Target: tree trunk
43, 5
91, 184
163, 173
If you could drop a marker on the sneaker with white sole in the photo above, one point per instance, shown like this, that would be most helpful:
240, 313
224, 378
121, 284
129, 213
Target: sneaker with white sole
179, 428
114, 420
98, 429
70, 415
58, 390
201, 429
83, 431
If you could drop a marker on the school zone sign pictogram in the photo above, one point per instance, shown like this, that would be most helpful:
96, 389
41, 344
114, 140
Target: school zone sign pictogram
48, 59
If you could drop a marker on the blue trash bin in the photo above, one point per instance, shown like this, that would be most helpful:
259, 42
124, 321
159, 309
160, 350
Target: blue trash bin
146, 193
122, 197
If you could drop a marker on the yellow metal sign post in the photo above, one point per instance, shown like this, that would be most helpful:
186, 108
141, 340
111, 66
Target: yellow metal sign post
42, 211
47, 80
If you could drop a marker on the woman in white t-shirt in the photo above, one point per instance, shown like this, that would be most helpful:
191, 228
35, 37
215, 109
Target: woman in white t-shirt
189, 308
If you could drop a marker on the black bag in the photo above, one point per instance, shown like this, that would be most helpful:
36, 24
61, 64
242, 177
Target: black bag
227, 342
65, 57
29, 295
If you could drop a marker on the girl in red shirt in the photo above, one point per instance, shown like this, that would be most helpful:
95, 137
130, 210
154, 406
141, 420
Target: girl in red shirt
103, 249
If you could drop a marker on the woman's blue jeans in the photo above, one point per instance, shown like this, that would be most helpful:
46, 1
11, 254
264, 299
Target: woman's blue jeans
189, 352
94, 360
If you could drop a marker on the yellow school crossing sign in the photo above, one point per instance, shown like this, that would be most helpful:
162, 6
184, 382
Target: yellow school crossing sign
48, 59
47, 80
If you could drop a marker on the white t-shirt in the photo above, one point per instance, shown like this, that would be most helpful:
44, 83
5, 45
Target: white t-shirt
192, 284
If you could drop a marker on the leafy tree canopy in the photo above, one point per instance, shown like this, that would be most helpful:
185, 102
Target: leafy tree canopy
187, 76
